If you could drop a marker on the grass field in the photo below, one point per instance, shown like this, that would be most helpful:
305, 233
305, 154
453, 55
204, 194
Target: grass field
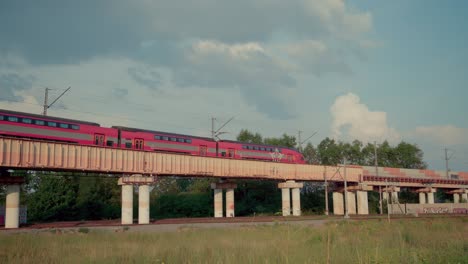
376, 241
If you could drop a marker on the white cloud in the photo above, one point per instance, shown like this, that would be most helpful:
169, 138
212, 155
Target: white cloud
447, 135
353, 120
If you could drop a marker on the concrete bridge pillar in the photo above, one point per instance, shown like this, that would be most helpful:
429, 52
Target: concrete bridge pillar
351, 203
456, 198
218, 188
218, 202
127, 204
394, 196
12, 206
286, 197
422, 198
385, 196
286, 201
230, 203
143, 204
430, 198
464, 197
143, 182
362, 203
338, 204
296, 201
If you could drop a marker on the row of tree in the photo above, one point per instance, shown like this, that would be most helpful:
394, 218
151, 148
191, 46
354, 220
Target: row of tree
57, 196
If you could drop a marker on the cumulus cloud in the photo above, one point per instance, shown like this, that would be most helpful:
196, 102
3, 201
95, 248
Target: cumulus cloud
353, 120
444, 135
227, 45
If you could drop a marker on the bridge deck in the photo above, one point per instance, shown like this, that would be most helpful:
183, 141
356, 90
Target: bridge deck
40, 155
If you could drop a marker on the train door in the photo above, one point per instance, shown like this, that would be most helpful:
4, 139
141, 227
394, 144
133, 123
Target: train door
139, 143
231, 153
99, 139
203, 150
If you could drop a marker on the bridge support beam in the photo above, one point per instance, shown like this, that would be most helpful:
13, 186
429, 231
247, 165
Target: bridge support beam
351, 203
430, 198
296, 201
143, 204
362, 203
464, 197
218, 198
127, 204
286, 197
338, 204
230, 212
385, 196
394, 196
218, 202
422, 198
286, 201
12, 206
456, 198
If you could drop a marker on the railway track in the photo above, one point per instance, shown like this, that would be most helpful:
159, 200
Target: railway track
207, 220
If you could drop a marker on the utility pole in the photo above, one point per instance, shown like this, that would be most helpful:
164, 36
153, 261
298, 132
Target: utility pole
46, 98
300, 142
388, 197
326, 189
216, 133
447, 158
212, 127
346, 216
377, 175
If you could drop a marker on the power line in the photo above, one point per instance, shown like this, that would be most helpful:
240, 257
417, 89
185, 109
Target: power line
94, 114
46, 98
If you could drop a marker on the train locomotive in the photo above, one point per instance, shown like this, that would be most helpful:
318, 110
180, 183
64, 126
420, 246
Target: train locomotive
48, 128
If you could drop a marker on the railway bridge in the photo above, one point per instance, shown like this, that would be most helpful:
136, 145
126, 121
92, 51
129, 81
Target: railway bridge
142, 168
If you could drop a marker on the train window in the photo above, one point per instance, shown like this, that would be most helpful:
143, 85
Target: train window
99, 139
1, 117
173, 139
51, 124
231, 153
39, 122
110, 143
262, 149
189, 141
12, 119
244, 147
255, 148
203, 150
139, 143
128, 144
181, 140
157, 137
26, 120
165, 138
63, 126
75, 127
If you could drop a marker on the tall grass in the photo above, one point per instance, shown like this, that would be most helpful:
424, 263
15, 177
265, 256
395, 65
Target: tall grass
377, 241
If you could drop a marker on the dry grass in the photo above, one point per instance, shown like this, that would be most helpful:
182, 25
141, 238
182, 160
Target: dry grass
401, 241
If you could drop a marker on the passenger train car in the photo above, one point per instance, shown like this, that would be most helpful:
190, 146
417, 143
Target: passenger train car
25, 125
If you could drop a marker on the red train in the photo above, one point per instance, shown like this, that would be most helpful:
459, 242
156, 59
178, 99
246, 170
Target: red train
25, 125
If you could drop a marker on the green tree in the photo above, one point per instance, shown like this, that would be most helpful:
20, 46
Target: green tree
53, 199
284, 141
329, 152
249, 137
310, 154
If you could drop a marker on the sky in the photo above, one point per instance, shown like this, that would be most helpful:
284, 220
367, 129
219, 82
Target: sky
368, 70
